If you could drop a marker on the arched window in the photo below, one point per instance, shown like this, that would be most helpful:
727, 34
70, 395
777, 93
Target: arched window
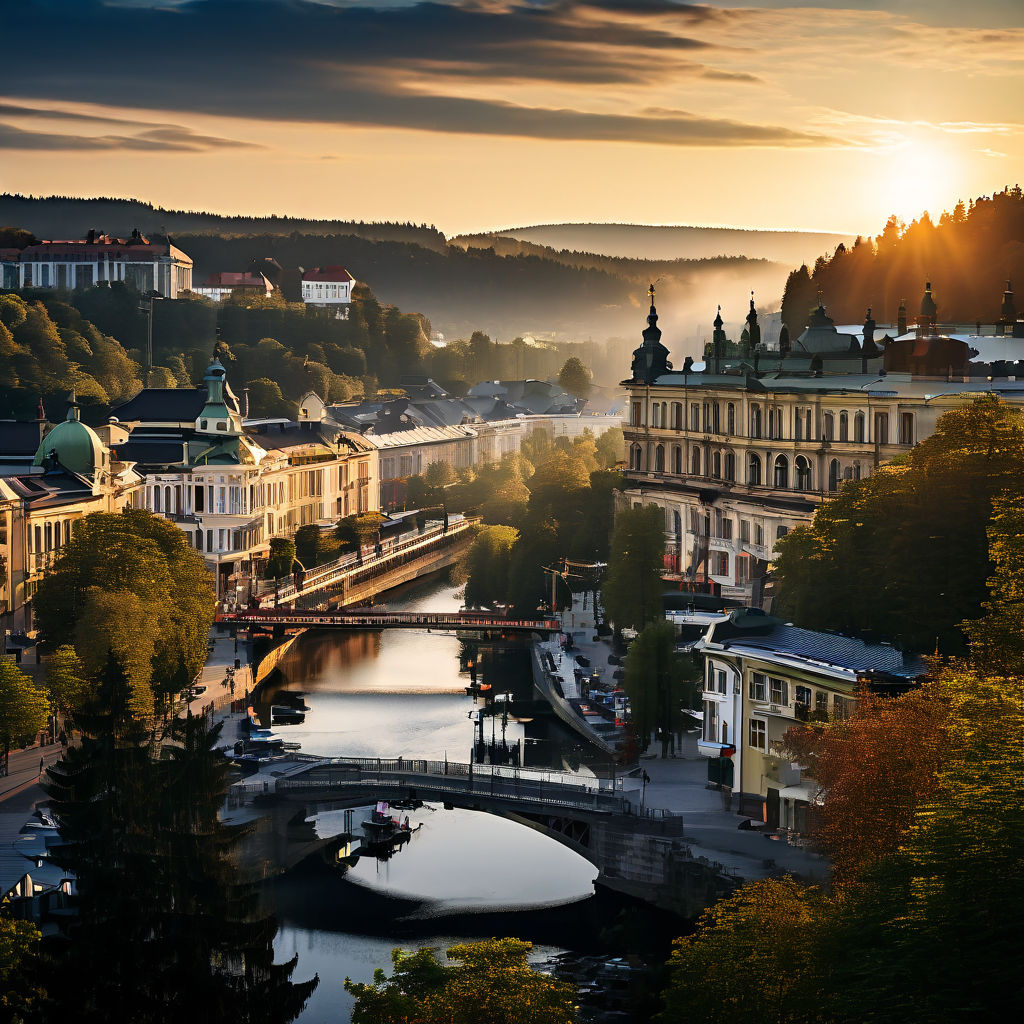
856, 471
881, 428
730, 466
635, 457
803, 473
168, 506
833, 475
716, 466
716, 423
730, 419
659, 459
848, 473
677, 459
753, 470
781, 477
656, 415
49, 536
695, 461
844, 426
755, 421
858, 427
156, 499
677, 525
830, 426
906, 428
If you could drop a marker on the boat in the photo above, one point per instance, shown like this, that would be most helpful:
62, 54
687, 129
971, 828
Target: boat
284, 714
382, 830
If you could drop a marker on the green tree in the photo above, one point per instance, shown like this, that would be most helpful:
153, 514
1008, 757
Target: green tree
281, 560
439, 474
633, 587
68, 681
854, 569
611, 448
658, 682
20, 993
575, 378
754, 959
488, 981
133, 552
24, 708
484, 566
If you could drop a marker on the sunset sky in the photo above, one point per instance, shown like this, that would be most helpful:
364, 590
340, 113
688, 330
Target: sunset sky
477, 114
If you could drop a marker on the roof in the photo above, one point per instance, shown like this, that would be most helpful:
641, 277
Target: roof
166, 405
236, 279
769, 637
420, 435
20, 437
77, 447
333, 273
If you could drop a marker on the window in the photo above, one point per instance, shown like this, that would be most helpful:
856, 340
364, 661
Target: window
720, 563
711, 720
707, 417
716, 425
753, 470
759, 687
720, 680
842, 707
830, 426
694, 416
730, 466
833, 475
781, 478
779, 692
677, 416
745, 530
659, 459
730, 419
716, 465
821, 703
803, 473
844, 427
906, 428
858, 427
781, 531
759, 534
755, 421
635, 457
635, 417
695, 461
881, 428
758, 738
727, 529
802, 696
677, 459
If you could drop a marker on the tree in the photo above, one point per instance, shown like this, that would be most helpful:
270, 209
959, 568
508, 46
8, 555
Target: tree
852, 569
611, 448
439, 474
875, 770
265, 399
632, 589
132, 552
356, 531
656, 682
67, 681
575, 378
484, 566
281, 560
24, 708
19, 991
490, 981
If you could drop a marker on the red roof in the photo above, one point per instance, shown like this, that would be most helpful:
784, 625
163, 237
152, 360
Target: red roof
327, 274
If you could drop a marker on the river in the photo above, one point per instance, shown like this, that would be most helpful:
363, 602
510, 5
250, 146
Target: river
464, 875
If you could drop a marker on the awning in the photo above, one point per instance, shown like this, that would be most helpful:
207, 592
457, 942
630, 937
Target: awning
806, 791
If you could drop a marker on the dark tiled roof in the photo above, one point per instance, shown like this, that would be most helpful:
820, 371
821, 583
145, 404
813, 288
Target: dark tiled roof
171, 405
829, 648
151, 452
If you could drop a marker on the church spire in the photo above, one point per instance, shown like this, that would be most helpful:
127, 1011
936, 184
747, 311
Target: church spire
650, 360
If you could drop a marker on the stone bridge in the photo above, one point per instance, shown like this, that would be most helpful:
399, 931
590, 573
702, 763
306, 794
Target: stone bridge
639, 852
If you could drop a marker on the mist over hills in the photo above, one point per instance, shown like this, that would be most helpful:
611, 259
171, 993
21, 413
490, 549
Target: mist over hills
673, 242
590, 284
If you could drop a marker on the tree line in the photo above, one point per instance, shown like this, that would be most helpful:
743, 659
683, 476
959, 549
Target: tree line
968, 255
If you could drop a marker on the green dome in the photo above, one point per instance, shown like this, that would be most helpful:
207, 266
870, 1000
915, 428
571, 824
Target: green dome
78, 447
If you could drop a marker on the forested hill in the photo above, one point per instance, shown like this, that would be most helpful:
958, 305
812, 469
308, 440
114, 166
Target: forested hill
968, 255
66, 217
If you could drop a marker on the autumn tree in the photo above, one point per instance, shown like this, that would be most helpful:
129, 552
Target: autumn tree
482, 981
753, 959
24, 708
633, 587
874, 770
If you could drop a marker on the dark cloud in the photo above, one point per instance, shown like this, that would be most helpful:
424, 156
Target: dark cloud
296, 60
169, 139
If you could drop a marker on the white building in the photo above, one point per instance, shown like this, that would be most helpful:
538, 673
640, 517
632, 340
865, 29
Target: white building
328, 288
98, 259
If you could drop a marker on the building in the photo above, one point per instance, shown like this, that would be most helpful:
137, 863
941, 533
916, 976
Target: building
328, 288
99, 259
739, 451
220, 286
233, 486
74, 472
762, 677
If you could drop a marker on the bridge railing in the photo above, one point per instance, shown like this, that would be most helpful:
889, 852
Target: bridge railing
323, 575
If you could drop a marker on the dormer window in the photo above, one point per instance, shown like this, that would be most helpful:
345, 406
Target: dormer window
202, 424
222, 425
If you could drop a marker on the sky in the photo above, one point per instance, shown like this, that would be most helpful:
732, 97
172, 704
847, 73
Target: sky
479, 114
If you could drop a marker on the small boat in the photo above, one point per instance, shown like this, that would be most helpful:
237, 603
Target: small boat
283, 713
383, 830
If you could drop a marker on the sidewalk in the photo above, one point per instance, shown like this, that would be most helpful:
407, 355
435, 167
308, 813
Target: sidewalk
24, 768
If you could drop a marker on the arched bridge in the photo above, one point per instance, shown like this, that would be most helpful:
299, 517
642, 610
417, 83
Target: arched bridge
369, 618
638, 852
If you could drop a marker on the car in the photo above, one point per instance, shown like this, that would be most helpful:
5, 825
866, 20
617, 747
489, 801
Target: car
580, 660
196, 691
614, 659
618, 674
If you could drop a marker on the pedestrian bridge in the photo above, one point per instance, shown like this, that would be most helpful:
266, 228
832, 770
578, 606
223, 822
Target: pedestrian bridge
638, 851
369, 618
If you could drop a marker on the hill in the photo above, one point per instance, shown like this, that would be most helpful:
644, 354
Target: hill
968, 255
67, 217
673, 242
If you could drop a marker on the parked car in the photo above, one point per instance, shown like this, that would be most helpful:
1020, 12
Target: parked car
618, 674
580, 660
614, 659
